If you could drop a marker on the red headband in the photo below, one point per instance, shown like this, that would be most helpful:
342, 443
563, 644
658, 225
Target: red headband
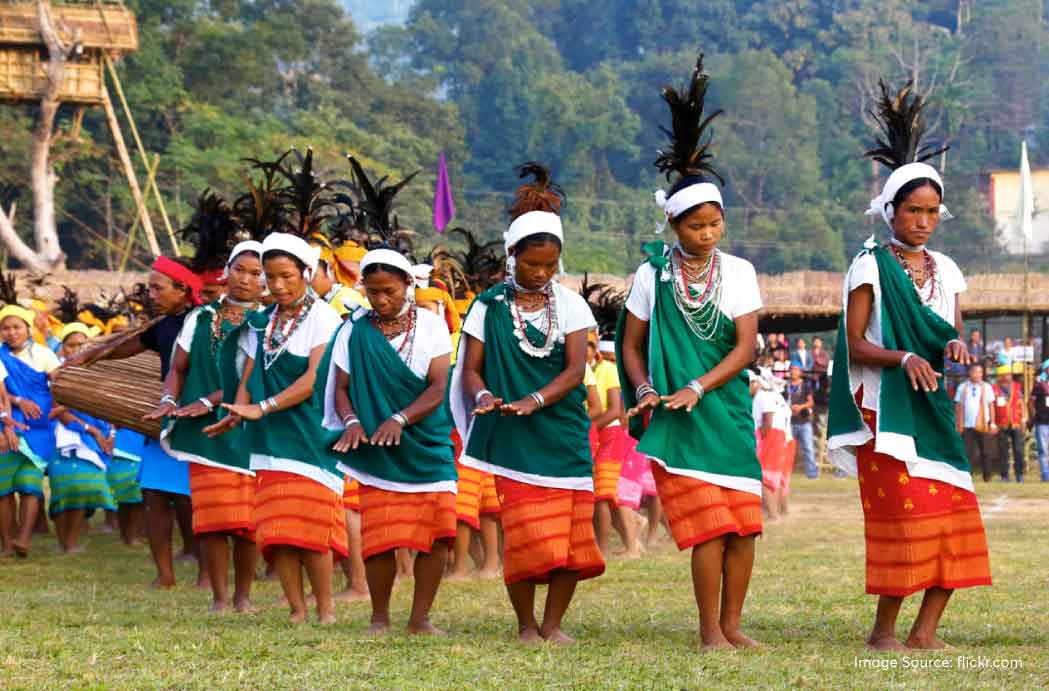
215, 277
180, 274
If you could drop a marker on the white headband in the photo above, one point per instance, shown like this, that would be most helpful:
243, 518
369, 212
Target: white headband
533, 223
389, 258
685, 199
296, 247
882, 204
606, 346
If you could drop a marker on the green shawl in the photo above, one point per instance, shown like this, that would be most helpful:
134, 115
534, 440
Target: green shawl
913, 426
715, 442
185, 438
381, 384
550, 447
293, 435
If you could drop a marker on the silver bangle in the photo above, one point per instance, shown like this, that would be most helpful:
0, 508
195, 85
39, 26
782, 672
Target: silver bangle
481, 394
272, 400
400, 419
643, 391
207, 403
697, 388
907, 356
4, 414
350, 420
538, 398
168, 398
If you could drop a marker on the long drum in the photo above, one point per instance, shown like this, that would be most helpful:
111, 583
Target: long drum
117, 391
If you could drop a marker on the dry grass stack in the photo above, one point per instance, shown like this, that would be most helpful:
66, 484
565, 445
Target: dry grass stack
117, 391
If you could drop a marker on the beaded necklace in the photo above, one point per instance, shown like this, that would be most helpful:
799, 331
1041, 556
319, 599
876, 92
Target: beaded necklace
702, 312
930, 273
221, 317
406, 324
275, 341
549, 325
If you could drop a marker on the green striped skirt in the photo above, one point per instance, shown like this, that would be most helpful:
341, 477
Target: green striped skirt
122, 475
19, 474
78, 484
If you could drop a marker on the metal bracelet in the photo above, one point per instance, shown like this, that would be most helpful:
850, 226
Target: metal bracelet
400, 419
168, 398
697, 388
272, 400
643, 391
4, 414
350, 420
538, 398
906, 357
481, 394
207, 403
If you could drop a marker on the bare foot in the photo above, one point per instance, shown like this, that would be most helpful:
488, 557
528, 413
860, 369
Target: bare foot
529, 636
488, 574
634, 553
379, 628
297, 617
160, 583
219, 608
203, 583
714, 641
21, 549
351, 595
76, 549
456, 577
738, 640
557, 637
185, 556
326, 619
423, 629
244, 607
922, 643
8, 552
133, 542
885, 643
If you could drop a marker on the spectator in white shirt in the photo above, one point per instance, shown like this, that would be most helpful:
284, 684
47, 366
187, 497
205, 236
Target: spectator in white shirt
974, 415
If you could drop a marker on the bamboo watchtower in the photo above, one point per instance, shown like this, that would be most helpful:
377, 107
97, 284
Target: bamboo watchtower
96, 32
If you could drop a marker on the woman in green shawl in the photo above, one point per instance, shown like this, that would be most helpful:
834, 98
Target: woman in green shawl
688, 332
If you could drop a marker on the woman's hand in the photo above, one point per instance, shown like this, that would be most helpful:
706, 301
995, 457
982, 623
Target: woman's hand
352, 437
648, 402
388, 434
226, 424
524, 407
109, 444
488, 404
247, 411
921, 374
684, 398
161, 411
97, 435
957, 352
30, 409
194, 409
56, 411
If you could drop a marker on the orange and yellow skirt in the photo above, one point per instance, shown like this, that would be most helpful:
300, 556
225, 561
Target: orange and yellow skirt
294, 511
546, 529
223, 501
490, 505
351, 495
468, 497
608, 462
919, 533
415, 520
699, 511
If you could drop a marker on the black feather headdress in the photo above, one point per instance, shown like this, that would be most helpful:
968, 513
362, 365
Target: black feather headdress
687, 154
260, 211
482, 263
8, 290
540, 194
306, 198
212, 232
606, 302
899, 118
68, 306
374, 211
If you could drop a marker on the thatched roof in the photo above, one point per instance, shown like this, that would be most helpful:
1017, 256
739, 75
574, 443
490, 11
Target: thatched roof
105, 25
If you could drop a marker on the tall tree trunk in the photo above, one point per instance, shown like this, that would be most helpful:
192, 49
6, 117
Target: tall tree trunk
42, 173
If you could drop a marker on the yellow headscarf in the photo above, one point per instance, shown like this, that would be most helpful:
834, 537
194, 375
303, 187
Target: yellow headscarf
28, 316
53, 322
77, 328
342, 255
451, 312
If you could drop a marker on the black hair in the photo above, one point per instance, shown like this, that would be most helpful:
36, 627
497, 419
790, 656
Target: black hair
275, 254
387, 268
536, 240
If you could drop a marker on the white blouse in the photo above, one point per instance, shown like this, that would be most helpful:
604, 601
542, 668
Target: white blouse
317, 329
573, 314
739, 294
432, 340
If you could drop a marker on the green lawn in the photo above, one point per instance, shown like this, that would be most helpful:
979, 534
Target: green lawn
87, 621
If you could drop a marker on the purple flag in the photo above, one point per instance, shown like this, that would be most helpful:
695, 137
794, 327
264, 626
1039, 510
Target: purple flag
443, 204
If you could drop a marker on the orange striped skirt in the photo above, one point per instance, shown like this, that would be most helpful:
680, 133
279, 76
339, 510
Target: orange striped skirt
608, 462
547, 529
223, 501
415, 520
699, 511
489, 495
294, 511
919, 533
351, 495
771, 450
468, 498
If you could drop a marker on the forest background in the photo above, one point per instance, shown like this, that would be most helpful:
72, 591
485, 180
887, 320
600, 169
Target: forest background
573, 84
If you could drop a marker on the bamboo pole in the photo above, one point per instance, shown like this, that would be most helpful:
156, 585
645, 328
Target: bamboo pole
142, 215
129, 171
142, 154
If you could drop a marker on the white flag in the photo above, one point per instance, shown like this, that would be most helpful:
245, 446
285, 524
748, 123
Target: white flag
1025, 209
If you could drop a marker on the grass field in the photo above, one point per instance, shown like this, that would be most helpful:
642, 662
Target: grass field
88, 622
